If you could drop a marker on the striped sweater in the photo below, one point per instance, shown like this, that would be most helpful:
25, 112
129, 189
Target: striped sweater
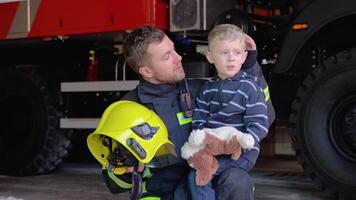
239, 102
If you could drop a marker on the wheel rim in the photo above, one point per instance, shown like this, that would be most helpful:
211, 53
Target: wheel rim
342, 126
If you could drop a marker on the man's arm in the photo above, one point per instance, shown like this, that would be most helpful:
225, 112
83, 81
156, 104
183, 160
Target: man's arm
252, 67
251, 58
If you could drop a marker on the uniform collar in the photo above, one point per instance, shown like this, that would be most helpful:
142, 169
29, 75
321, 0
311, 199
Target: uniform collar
149, 93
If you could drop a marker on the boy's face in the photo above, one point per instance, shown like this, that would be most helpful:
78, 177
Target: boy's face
163, 64
227, 56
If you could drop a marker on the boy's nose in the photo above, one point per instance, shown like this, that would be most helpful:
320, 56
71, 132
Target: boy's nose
231, 56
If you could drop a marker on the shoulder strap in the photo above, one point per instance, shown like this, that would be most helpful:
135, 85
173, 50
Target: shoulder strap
185, 99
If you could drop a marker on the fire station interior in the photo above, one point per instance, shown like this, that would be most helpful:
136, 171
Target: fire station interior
95, 60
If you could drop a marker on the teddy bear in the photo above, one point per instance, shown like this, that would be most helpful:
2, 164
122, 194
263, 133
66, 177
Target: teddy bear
204, 144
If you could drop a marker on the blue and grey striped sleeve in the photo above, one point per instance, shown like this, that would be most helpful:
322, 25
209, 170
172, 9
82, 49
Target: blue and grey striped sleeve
255, 118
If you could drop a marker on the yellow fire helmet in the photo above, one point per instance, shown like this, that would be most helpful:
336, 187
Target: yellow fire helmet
129, 132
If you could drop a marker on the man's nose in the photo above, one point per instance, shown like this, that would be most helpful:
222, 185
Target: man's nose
178, 57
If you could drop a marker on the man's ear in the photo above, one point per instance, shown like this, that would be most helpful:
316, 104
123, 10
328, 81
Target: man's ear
209, 57
145, 71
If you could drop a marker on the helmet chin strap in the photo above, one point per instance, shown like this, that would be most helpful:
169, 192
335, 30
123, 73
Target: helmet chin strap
117, 158
137, 184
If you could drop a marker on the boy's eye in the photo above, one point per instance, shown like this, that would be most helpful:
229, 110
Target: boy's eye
165, 57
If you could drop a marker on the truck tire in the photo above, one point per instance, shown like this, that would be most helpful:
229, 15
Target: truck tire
237, 17
323, 124
30, 140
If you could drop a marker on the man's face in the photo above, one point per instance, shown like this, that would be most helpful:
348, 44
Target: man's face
227, 56
163, 63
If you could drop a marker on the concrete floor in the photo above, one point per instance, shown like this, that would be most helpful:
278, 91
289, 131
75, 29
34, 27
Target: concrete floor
84, 181
70, 182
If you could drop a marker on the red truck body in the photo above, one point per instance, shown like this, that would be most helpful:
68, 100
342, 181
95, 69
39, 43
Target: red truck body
45, 18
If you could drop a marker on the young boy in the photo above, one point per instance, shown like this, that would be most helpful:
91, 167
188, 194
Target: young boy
233, 98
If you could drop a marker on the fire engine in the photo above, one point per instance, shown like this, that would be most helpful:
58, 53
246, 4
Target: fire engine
62, 65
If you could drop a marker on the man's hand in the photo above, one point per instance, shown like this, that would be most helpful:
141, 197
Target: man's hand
141, 167
250, 43
123, 170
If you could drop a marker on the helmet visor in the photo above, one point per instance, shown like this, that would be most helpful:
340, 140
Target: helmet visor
165, 156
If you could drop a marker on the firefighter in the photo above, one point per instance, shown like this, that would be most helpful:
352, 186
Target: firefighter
164, 89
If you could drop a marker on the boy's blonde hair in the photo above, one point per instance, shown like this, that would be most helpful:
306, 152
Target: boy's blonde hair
226, 32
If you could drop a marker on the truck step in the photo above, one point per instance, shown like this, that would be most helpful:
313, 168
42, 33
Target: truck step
99, 86
79, 123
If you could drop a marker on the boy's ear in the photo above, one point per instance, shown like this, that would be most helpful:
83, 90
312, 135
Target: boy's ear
209, 57
244, 56
145, 71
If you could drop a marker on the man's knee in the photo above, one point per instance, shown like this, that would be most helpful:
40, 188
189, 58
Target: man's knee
235, 182
236, 176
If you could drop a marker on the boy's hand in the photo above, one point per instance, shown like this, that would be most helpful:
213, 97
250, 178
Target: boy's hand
250, 43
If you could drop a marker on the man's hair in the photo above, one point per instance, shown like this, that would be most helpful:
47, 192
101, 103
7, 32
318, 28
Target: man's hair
136, 44
226, 32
